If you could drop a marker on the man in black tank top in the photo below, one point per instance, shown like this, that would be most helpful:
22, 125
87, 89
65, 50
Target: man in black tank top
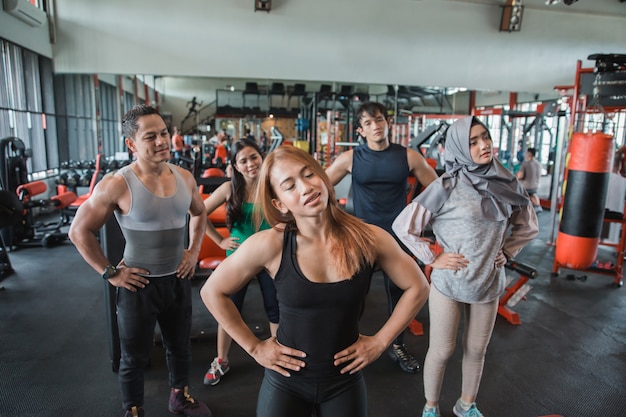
151, 199
379, 172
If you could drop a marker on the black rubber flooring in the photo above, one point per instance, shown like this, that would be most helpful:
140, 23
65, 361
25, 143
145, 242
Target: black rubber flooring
567, 357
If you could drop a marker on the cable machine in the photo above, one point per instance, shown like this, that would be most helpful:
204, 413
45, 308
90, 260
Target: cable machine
334, 121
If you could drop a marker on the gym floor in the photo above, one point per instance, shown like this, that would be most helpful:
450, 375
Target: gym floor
567, 357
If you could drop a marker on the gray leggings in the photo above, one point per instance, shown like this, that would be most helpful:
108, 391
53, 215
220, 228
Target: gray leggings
445, 315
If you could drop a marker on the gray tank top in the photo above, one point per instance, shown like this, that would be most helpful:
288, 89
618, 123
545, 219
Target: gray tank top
154, 227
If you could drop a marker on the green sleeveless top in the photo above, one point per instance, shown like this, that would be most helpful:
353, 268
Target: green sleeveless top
244, 228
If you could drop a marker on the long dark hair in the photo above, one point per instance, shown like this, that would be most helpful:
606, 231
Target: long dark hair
234, 205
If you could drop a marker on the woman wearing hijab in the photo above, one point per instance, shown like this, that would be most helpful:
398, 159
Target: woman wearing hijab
481, 216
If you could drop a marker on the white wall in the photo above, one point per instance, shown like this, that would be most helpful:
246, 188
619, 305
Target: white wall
36, 39
408, 42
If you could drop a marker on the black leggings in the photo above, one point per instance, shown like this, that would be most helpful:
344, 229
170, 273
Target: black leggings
344, 396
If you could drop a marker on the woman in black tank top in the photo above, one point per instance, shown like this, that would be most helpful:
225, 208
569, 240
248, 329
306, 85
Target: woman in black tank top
321, 259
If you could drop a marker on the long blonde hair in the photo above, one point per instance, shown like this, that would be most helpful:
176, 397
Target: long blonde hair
348, 235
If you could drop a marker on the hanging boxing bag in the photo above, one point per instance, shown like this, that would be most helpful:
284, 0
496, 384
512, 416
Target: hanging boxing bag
583, 203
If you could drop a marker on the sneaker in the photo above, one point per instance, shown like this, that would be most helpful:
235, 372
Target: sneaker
216, 371
182, 403
134, 412
472, 411
430, 412
407, 362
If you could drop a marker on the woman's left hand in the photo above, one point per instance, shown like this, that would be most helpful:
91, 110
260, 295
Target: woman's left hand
360, 354
500, 259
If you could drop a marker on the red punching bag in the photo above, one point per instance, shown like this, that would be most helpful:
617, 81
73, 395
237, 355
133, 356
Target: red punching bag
584, 200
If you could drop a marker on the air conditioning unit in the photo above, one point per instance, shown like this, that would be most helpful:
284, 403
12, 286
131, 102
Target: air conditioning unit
26, 12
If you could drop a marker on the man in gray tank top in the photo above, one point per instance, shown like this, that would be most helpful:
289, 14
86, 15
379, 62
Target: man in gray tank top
150, 199
379, 172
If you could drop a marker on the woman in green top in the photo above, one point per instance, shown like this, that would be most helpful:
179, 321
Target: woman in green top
238, 194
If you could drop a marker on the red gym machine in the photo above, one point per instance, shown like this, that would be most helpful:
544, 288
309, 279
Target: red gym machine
30, 230
597, 93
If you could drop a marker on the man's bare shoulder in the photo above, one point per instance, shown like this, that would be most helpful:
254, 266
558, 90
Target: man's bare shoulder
187, 176
340, 167
110, 188
414, 155
420, 168
344, 160
112, 181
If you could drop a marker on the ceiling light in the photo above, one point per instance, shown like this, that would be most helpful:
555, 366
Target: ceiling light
511, 20
263, 5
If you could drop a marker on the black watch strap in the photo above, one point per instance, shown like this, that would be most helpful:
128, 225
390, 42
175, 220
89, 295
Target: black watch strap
109, 271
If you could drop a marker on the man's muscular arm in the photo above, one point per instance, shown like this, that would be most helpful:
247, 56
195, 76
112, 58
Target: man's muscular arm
90, 218
340, 167
418, 166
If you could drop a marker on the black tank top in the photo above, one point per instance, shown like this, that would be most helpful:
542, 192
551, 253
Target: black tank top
320, 319
379, 184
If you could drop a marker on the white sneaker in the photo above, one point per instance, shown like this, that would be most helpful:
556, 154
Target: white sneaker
459, 411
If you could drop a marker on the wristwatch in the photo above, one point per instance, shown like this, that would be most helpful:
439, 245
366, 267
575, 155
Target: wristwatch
109, 271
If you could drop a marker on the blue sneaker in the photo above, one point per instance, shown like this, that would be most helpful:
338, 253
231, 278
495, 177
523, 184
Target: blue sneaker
472, 411
430, 412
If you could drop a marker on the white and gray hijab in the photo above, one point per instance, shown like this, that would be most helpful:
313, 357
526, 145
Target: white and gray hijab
499, 188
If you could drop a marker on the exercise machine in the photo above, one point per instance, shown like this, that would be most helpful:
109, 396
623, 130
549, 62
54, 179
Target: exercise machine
10, 215
13, 169
211, 255
210, 179
516, 290
432, 136
30, 231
